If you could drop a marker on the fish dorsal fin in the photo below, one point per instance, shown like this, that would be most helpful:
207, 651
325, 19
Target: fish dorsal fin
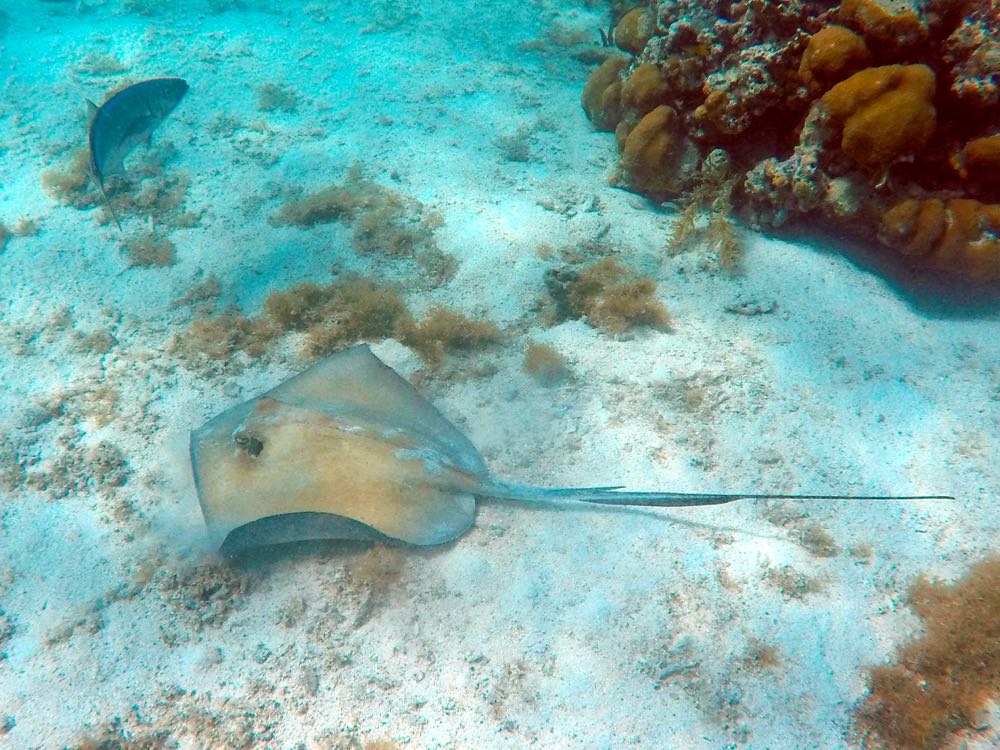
91, 110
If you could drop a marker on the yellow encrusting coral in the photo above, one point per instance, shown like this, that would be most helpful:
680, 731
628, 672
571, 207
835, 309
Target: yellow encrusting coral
657, 157
979, 160
602, 94
645, 89
959, 234
885, 113
832, 54
634, 30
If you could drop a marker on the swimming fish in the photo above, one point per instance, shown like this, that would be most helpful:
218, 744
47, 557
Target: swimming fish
348, 449
127, 119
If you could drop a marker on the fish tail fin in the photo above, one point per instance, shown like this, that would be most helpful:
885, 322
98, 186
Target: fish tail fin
111, 209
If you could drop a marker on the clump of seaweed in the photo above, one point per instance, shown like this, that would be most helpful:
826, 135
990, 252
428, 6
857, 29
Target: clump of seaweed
69, 183
99, 342
274, 96
388, 227
150, 249
160, 195
347, 311
707, 216
792, 583
607, 295
333, 203
545, 363
515, 146
444, 331
385, 221
210, 344
339, 202
98, 65
940, 683
343, 312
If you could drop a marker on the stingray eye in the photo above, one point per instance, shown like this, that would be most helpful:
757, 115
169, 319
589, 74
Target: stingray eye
249, 443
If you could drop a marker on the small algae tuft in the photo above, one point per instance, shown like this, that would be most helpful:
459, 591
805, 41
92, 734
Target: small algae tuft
203, 296
210, 344
545, 364
11, 464
762, 656
274, 96
98, 342
150, 249
817, 541
345, 201
343, 312
607, 295
791, 583
69, 183
333, 203
515, 146
355, 310
386, 222
444, 331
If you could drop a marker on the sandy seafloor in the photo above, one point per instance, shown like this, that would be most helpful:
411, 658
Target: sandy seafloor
541, 627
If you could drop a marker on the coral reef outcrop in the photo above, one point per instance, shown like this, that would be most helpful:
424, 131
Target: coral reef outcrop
880, 118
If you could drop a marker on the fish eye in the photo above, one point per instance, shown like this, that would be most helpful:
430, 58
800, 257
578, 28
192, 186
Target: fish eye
251, 444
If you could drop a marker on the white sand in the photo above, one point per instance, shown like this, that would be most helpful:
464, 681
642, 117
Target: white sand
589, 628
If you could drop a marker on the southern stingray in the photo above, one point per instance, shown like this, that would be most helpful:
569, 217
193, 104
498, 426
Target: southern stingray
125, 120
348, 449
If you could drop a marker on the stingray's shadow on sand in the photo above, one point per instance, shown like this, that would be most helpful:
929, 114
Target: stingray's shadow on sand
323, 551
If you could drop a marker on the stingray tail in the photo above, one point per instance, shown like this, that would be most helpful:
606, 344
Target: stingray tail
618, 496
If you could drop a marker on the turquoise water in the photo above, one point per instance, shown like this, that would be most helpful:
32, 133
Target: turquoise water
463, 170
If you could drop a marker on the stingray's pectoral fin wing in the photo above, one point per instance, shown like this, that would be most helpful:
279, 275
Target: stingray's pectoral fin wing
268, 472
617, 496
